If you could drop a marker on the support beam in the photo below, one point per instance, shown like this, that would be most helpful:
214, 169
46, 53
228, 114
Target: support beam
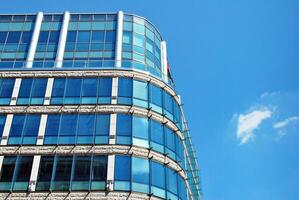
62, 40
34, 40
15, 91
164, 61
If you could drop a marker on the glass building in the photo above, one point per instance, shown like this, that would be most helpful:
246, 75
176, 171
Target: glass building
88, 111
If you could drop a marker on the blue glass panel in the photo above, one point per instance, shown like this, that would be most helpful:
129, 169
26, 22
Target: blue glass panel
124, 125
140, 128
58, 87
110, 36
125, 87
68, 128
122, 170
13, 37
30, 130
158, 175
127, 37
71, 36
3, 35
83, 36
171, 181
43, 37
97, 36
6, 88
39, 87
17, 125
140, 175
2, 123
89, 87
105, 87
54, 36
140, 93
86, 128
26, 36
73, 87
156, 98
25, 88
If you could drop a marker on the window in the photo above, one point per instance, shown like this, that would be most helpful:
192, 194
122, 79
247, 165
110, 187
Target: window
140, 93
77, 129
32, 91
156, 101
82, 91
81, 173
122, 173
158, 179
62, 173
168, 105
45, 173
2, 124
123, 129
15, 173
24, 129
6, 88
140, 175
170, 143
72, 172
157, 136
125, 90
140, 131
172, 185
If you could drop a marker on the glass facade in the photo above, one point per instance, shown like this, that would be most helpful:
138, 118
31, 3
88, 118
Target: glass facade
106, 119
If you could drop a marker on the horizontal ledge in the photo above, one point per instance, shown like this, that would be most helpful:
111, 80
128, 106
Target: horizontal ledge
92, 150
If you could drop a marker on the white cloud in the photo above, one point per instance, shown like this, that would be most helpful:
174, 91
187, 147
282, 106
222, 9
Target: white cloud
249, 122
285, 122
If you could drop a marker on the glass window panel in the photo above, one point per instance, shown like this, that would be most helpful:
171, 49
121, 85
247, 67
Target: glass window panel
83, 36
102, 124
3, 35
71, 36
110, 36
52, 127
2, 123
82, 168
25, 88
68, 124
127, 37
138, 40
45, 168
13, 37
58, 87
26, 36
63, 172
138, 28
125, 87
97, 36
7, 87
158, 175
86, 124
23, 170
140, 127
31, 125
89, 87
140, 170
171, 180
17, 125
54, 36
99, 168
43, 37
140, 90
7, 169
73, 87
157, 134
124, 125
122, 168
105, 87
39, 87
156, 95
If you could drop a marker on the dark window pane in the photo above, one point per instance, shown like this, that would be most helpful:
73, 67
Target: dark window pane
7, 87
2, 123
99, 168
82, 168
32, 125
52, 127
63, 168
45, 168
39, 87
23, 168
8, 167
26, 36
3, 36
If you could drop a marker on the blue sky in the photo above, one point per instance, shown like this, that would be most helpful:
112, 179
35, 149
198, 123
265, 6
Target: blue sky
235, 63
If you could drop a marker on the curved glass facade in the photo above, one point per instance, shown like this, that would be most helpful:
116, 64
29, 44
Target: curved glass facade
87, 104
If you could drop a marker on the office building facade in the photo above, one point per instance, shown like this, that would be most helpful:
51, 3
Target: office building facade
88, 111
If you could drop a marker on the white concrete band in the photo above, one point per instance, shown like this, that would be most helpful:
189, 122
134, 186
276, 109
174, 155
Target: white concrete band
34, 40
6, 129
15, 91
164, 61
119, 39
48, 92
62, 40
110, 172
34, 173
